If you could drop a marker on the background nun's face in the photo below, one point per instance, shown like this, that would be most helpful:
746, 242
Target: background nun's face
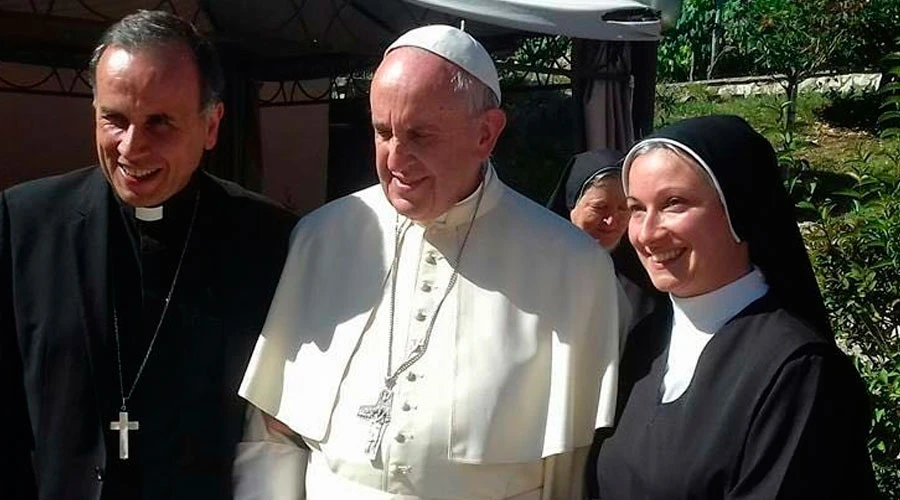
602, 212
429, 147
679, 228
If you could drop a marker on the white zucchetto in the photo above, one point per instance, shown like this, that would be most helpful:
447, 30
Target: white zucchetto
456, 46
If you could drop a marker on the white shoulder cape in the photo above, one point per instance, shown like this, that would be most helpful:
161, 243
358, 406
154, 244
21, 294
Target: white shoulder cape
530, 280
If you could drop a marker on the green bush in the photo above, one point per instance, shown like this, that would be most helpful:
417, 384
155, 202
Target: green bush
889, 121
856, 257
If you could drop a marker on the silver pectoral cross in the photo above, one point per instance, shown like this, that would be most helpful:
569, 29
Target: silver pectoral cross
378, 415
123, 425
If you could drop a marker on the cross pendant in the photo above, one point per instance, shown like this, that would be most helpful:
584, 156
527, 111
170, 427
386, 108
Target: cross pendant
123, 425
378, 415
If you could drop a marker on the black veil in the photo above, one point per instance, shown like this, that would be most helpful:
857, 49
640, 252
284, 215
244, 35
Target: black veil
581, 169
744, 164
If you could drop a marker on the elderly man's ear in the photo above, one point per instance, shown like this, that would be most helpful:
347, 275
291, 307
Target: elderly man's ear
493, 121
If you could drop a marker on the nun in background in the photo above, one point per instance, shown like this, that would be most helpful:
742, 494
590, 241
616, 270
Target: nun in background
590, 195
733, 386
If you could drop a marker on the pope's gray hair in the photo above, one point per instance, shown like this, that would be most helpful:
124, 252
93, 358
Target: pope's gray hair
478, 95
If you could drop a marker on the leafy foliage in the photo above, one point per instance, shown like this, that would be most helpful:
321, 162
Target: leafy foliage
686, 50
857, 261
794, 38
868, 28
532, 56
889, 121
871, 32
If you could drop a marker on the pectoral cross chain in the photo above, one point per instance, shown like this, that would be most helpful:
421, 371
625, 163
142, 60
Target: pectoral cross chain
378, 415
123, 425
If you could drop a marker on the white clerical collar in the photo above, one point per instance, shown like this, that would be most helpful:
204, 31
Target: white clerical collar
695, 321
149, 214
461, 212
710, 311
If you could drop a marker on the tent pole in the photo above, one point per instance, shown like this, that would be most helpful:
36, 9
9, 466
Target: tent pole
643, 67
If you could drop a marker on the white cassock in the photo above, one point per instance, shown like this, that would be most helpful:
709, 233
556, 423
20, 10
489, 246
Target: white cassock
519, 370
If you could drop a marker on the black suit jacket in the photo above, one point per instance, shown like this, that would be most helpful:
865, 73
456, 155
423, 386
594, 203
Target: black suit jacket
55, 329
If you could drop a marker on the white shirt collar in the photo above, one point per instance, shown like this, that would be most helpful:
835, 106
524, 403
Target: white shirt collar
149, 214
707, 313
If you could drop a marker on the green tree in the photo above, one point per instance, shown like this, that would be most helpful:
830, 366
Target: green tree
872, 31
791, 38
687, 49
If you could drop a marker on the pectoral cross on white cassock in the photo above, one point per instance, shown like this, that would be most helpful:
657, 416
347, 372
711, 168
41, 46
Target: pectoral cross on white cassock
379, 416
123, 426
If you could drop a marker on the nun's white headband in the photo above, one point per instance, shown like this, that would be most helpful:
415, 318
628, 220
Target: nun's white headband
633, 154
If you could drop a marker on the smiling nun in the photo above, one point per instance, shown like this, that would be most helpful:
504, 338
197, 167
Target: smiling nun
733, 387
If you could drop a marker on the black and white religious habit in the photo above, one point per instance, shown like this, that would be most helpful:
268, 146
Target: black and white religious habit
741, 392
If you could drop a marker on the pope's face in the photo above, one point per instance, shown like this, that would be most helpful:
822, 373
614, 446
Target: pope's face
602, 212
679, 228
150, 129
429, 146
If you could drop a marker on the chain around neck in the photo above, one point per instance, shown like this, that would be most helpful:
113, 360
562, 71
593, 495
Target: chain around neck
127, 396
419, 351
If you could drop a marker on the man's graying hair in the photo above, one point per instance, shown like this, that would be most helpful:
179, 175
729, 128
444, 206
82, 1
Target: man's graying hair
479, 96
146, 29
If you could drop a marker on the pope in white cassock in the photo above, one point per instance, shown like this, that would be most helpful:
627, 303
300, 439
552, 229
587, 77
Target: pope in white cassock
437, 336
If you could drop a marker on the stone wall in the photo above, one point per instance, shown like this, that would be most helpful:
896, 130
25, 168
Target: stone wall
755, 85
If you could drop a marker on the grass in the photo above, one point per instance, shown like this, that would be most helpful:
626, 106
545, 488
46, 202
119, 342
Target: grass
821, 136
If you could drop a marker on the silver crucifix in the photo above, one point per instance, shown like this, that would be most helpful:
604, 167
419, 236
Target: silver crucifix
378, 415
123, 425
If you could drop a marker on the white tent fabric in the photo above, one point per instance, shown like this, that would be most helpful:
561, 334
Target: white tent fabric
573, 18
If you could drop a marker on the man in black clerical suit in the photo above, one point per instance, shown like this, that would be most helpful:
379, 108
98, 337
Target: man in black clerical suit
132, 293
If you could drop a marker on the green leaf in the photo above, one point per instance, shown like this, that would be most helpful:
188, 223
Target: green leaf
889, 115
890, 88
848, 193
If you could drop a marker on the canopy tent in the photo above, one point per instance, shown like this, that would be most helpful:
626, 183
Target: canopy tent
297, 41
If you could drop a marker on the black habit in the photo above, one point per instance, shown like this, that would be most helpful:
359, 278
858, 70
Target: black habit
72, 258
774, 410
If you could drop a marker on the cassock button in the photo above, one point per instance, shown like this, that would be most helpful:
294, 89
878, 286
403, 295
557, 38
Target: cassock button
426, 287
400, 438
420, 316
411, 377
98, 473
406, 407
430, 259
